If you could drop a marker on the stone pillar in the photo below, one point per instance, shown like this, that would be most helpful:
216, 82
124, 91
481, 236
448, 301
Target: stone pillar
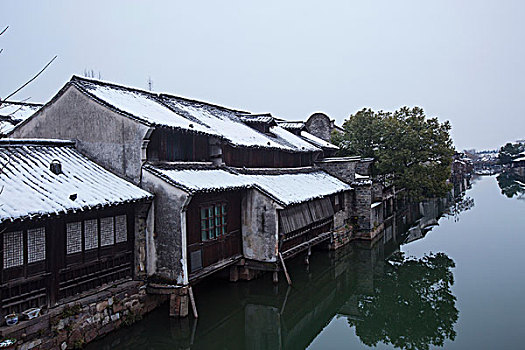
362, 203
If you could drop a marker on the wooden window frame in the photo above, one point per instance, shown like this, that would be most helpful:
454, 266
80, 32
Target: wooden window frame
218, 218
26, 269
101, 250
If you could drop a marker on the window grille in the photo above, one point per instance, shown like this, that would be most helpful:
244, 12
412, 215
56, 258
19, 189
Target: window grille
13, 249
73, 237
121, 229
107, 231
90, 234
214, 221
36, 245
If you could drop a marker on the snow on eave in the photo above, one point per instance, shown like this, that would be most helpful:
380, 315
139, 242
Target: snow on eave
339, 159
32, 190
284, 189
293, 125
317, 141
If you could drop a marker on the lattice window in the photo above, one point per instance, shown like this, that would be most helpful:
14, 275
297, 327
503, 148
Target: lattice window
90, 234
73, 237
121, 228
107, 231
214, 221
36, 245
13, 249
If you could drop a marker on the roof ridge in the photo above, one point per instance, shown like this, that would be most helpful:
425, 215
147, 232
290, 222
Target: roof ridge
158, 95
22, 103
76, 78
229, 109
6, 142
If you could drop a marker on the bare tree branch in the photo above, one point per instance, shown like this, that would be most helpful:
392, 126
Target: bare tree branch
29, 81
3, 31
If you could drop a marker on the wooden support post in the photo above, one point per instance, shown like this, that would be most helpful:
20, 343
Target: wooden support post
285, 299
285, 270
193, 306
307, 257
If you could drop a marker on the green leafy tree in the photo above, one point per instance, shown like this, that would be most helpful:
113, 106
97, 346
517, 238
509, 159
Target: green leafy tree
413, 150
412, 306
508, 152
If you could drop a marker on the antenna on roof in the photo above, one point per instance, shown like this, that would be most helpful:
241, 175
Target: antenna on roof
150, 83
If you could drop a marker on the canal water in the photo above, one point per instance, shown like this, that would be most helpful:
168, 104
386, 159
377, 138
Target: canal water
443, 275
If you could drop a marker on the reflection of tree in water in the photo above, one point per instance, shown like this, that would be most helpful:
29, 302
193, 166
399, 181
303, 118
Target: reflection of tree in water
511, 185
459, 205
412, 306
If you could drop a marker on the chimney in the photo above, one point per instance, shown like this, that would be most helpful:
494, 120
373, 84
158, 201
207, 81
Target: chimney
56, 167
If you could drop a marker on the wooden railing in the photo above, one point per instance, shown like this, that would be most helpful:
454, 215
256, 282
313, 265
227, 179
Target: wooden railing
74, 280
19, 295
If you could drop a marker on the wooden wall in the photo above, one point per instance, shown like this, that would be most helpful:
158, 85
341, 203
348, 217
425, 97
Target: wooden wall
61, 275
171, 145
263, 158
222, 247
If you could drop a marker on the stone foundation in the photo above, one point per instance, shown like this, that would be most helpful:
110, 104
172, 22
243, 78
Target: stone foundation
341, 237
77, 322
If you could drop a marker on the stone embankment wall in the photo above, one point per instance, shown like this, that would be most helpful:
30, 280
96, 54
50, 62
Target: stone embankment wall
80, 321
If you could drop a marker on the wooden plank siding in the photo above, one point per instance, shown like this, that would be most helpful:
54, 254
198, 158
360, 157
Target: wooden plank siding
262, 158
302, 222
61, 275
169, 145
205, 253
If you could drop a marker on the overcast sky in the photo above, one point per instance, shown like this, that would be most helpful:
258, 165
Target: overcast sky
461, 61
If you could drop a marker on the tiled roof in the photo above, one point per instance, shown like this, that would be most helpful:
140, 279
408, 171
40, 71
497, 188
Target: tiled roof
190, 116
31, 189
286, 188
259, 118
12, 113
292, 125
318, 141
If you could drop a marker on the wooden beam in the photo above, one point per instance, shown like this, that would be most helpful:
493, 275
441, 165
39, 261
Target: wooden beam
285, 270
192, 300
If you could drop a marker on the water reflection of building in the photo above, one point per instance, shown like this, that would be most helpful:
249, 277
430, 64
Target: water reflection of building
252, 316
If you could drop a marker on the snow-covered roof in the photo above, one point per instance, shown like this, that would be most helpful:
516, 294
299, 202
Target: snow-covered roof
316, 141
285, 189
31, 189
12, 113
288, 125
259, 118
190, 116
342, 159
